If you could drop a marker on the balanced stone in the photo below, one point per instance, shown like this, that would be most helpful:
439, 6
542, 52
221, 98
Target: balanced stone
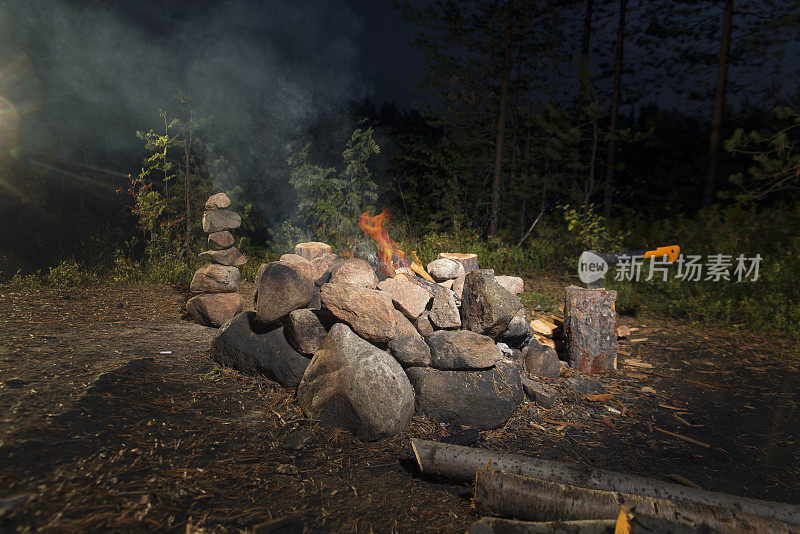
220, 240
228, 256
214, 278
218, 201
219, 220
214, 309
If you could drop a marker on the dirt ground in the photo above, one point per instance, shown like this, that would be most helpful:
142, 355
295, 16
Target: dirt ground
115, 419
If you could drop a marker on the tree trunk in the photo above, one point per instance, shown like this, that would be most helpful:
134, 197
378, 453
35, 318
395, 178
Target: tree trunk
511, 495
715, 141
589, 322
501, 123
608, 197
585, 45
455, 461
186, 185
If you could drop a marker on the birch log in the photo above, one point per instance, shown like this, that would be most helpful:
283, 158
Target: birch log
510, 495
461, 463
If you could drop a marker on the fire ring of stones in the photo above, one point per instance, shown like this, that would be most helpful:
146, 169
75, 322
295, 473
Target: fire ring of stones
218, 280
365, 354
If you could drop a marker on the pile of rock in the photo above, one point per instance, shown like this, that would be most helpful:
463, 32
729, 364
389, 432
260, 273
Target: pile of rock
365, 354
218, 281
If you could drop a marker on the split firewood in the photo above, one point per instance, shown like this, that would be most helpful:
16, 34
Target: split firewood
468, 260
461, 463
312, 249
544, 327
589, 329
511, 495
545, 340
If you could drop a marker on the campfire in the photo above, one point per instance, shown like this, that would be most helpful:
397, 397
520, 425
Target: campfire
394, 261
368, 345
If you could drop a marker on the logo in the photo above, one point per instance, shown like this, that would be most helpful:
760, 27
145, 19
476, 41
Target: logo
591, 267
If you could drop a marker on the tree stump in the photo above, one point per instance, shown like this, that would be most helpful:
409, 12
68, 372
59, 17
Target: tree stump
469, 261
312, 249
589, 329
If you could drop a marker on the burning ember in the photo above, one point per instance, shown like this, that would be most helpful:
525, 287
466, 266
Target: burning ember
392, 256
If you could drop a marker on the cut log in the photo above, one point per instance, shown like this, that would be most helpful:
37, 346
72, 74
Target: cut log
543, 327
469, 261
461, 463
493, 525
521, 497
589, 329
312, 249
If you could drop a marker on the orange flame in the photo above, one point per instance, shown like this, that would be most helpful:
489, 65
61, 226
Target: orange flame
393, 258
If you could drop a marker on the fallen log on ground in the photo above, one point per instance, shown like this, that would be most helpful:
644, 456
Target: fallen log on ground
493, 525
461, 463
511, 495
640, 525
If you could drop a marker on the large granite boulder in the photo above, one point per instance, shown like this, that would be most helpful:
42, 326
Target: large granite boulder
252, 348
219, 220
408, 347
462, 350
281, 288
214, 309
214, 278
369, 312
407, 296
354, 385
479, 399
486, 306
355, 271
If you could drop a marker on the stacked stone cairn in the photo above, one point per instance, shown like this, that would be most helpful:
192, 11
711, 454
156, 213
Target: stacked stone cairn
364, 354
218, 280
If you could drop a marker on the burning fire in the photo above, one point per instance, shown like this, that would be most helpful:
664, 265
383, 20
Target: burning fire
393, 258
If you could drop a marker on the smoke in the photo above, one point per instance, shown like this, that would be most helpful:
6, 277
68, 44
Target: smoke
261, 72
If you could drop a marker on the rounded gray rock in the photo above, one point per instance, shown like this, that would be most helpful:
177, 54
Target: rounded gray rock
352, 384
